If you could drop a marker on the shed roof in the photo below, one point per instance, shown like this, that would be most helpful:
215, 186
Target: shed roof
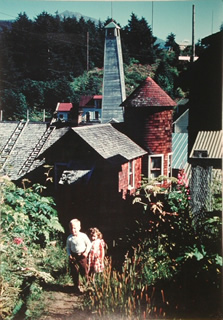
210, 141
111, 144
62, 106
148, 94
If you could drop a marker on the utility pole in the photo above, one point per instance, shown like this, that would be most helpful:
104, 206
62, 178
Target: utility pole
44, 115
193, 27
152, 16
87, 51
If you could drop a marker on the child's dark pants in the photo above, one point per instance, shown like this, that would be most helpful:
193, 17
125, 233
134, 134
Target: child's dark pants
78, 266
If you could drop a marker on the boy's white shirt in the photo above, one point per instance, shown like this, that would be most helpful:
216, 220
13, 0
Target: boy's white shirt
78, 244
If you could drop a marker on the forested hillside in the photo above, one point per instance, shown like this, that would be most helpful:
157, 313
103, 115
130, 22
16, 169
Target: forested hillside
55, 59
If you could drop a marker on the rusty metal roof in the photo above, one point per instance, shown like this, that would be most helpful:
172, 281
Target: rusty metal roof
208, 144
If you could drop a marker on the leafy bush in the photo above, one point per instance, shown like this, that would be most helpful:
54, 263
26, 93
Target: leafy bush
30, 246
26, 214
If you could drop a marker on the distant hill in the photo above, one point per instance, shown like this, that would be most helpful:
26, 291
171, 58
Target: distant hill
5, 24
77, 15
160, 42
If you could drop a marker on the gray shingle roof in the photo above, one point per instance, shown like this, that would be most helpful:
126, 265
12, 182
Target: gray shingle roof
104, 139
109, 142
24, 145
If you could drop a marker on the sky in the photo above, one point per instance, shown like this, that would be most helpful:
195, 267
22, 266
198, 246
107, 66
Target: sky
164, 17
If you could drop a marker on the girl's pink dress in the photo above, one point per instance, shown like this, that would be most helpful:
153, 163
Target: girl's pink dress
96, 256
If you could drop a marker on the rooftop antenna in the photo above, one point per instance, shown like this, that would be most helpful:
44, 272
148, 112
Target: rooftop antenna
87, 51
193, 24
111, 11
212, 22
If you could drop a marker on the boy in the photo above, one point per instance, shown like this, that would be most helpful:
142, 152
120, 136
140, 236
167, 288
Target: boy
78, 247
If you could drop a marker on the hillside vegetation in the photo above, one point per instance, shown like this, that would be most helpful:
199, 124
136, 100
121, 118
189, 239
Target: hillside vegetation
45, 61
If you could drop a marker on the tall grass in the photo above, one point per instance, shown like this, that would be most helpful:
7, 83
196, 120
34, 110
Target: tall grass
124, 293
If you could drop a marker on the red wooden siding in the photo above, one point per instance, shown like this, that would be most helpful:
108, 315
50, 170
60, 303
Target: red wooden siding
123, 177
151, 128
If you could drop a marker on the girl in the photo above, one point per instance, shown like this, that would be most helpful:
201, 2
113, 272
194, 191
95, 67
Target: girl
97, 252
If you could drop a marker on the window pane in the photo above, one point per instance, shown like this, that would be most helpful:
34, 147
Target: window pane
156, 163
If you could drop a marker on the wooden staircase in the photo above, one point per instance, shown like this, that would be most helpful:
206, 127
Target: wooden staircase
36, 150
10, 144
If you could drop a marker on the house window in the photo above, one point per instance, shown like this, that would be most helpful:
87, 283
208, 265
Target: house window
131, 175
97, 103
155, 166
96, 115
169, 173
110, 32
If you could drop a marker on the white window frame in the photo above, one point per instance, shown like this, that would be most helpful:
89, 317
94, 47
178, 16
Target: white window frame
131, 174
149, 165
169, 164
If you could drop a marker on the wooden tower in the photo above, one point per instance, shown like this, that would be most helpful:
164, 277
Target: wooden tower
113, 80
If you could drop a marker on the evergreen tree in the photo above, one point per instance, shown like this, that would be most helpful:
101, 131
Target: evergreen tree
13, 104
166, 75
139, 40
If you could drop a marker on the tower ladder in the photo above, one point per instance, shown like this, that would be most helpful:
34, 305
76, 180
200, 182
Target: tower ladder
10, 144
36, 150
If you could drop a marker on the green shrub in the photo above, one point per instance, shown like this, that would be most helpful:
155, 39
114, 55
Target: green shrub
30, 246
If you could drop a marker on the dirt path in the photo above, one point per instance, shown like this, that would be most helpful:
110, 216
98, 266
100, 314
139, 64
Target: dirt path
62, 304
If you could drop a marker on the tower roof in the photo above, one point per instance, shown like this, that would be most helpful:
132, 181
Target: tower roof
148, 94
112, 25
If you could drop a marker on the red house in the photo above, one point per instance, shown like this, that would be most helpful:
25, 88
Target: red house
66, 113
90, 107
148, 122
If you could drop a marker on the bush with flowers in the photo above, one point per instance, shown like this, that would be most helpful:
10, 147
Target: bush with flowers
179, 195
175, 269
29, 228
